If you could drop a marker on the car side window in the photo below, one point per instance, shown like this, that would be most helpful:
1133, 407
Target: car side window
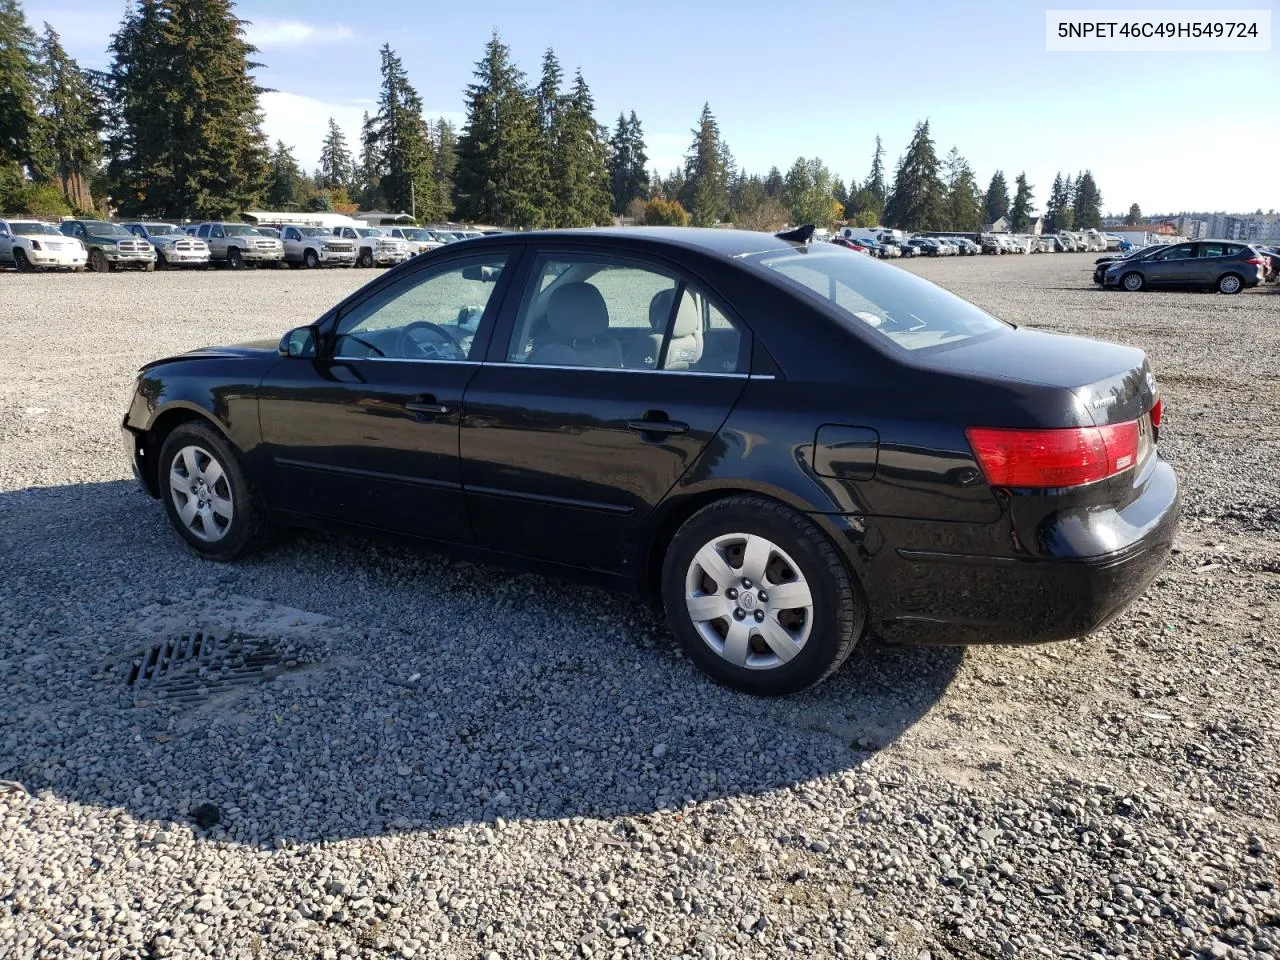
428, 316
593, 312
1177, 253
216, 232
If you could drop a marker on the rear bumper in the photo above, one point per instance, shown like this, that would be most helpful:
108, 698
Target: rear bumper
932, 593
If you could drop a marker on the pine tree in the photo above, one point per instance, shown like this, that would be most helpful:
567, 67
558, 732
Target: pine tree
18, 116
774, 182
964, 198
498, 178
1020, 211
1067, 215
1057, 202
876, 179
579, 165
1087, 203
337, 170
706, 166
996, 202
916, 201
550, 104
807, 193
366, 184
1135, 215
286, 183
190, 142
403, 142
840, 193
70, 147
864, 208
628, 178
444, 142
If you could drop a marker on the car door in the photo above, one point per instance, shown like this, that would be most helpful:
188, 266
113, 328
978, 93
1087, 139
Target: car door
6, 243
593, 401
366, 431
1172, 267
1211, 260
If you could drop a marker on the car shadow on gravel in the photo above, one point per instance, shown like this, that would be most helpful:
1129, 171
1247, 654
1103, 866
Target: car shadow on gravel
409, 692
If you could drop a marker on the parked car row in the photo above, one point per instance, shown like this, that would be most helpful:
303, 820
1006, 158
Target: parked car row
29, 244
884, 242
1223, 265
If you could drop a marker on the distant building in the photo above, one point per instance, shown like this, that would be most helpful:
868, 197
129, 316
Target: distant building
1000, 226
379, 218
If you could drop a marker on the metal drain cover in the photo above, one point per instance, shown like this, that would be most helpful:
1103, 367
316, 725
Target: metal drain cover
196, 666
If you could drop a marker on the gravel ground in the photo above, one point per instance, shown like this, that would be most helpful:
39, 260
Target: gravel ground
449, 760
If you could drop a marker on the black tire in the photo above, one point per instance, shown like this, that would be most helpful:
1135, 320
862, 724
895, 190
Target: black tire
20, 261
247, 528
310, 259
365, 259
150, 266
1228, 283
839, 612
1133, 281
97, 261
161, 262
234, 260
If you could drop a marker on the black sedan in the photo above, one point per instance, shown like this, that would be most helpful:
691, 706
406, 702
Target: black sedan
784, 444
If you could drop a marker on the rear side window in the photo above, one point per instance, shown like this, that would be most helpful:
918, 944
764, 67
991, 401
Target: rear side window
1219, 249
906, 310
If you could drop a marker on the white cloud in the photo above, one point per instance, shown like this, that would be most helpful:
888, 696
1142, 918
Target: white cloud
265, 34
666, 150
302, 122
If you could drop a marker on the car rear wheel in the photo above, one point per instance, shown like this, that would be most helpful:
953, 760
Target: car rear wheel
759, 598
208, 497
1230, 283
1133, 282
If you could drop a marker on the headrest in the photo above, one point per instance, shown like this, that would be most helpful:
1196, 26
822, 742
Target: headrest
660, 310
688, 318
577, 311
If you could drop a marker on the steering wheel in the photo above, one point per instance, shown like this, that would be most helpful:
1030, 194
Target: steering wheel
435, 344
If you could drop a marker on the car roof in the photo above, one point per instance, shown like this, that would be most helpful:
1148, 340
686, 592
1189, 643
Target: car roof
728, 243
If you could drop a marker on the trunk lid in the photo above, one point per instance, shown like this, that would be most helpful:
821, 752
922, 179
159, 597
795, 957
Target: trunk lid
1111, 382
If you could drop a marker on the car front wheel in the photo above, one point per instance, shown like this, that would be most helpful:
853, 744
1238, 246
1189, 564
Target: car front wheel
1132, 282
208, 497
759, 598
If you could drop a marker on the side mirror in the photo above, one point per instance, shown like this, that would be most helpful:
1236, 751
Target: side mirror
299, 342
479, 271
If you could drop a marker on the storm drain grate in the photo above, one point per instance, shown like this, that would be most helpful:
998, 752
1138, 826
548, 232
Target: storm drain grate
197, 665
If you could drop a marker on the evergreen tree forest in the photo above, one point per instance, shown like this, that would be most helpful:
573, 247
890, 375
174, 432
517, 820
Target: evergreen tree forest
172, 128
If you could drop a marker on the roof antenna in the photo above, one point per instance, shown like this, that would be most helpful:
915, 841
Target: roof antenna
798, 235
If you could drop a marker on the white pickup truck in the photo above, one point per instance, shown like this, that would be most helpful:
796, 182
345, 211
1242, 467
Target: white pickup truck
373, 247
418, 239
312, 247
236, 244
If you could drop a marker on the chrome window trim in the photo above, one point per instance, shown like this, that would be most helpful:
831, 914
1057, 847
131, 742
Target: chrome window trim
556, 366
467, 363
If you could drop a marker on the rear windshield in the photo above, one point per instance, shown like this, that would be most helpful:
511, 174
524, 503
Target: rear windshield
910, 312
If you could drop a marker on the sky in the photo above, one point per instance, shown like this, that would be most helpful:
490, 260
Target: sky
1168, 131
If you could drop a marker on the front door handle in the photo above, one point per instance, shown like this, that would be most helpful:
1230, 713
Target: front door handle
656, 422
427, 405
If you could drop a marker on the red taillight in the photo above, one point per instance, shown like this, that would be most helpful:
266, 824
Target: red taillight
1054, 458
1157, 412
1257, 261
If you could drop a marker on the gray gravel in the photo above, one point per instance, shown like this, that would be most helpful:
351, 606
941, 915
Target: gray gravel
450, 760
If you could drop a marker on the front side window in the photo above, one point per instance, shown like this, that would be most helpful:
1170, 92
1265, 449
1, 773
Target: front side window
907, 311
1176, 253
431, 316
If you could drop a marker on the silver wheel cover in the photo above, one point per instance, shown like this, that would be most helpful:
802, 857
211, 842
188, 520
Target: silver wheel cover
1229, 284
1133, 282
749, 601
201, 494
